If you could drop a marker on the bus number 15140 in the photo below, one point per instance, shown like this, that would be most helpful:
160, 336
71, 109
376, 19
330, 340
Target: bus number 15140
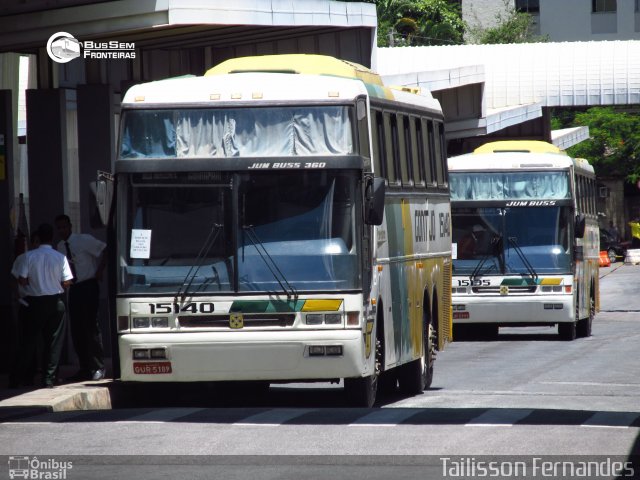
192, 307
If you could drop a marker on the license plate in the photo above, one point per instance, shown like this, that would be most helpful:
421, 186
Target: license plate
151, 368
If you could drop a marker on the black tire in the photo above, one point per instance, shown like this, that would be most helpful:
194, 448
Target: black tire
584, 325
567, 331
475, 331
612, 255
388, 382
361, 392
488, 331
416, 376
462, 331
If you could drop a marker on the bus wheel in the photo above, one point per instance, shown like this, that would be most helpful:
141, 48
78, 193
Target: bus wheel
361, 392
567, 331
416, 376
584, 325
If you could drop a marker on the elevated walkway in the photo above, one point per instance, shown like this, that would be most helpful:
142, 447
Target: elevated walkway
484, 89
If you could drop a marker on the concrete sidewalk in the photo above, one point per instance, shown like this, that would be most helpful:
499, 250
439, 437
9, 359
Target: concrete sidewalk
88, 395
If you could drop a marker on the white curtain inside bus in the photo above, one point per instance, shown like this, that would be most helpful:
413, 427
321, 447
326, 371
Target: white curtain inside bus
509, 185
241, 132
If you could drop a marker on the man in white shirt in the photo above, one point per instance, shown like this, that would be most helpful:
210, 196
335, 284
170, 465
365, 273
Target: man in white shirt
22, 368
46, 273
87, 261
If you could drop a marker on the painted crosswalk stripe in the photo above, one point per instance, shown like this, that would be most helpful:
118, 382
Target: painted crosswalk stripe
498, 417
387, 417
162, 415
273, 418
611, 420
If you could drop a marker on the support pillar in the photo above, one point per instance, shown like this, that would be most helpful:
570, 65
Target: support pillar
6, 232
95, 143
95, 152
47, 144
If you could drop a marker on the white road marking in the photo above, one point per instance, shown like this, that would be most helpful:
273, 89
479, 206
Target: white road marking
386, 417
273, 418
497, 417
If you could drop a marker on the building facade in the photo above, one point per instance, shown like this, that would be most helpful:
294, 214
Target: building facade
565, 20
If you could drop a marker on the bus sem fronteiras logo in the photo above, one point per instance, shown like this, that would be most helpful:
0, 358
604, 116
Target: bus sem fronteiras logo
62, 47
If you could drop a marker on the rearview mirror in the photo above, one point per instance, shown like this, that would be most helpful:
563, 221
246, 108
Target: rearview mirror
374, 200
102, 193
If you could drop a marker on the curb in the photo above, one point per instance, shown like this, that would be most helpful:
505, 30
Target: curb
64, 398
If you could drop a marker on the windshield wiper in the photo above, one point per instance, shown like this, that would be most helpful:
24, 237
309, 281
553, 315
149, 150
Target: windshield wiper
202, 254
514, 242
495, 245
273, 266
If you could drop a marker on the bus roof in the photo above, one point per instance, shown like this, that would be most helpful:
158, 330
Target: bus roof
274, 78
525, 146
516, 155
297, 63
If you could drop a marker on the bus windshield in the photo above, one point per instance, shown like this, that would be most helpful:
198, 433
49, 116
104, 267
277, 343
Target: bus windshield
502, 241
199, 233
237, 132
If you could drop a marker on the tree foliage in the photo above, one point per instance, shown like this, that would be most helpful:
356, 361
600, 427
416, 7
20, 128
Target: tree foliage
614, 141
418, 22
512, 26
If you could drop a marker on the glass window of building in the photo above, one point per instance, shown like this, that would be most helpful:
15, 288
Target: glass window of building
598, 6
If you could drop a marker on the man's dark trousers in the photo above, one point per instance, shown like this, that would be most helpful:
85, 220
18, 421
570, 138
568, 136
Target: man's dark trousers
85, 331
45, 320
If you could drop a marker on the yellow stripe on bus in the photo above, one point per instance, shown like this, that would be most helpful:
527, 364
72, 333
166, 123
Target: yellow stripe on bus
321, 305
550, 281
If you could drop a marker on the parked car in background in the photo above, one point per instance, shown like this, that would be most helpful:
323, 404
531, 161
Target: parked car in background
614, 248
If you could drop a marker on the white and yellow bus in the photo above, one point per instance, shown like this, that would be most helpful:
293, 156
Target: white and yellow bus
525, 239
282, 218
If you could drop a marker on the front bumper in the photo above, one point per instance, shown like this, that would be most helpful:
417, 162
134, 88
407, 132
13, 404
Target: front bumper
245, 355
515, 309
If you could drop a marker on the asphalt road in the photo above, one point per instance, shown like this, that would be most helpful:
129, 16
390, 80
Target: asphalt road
525, 394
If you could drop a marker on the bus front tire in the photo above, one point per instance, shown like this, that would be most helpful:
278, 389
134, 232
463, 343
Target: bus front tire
361, 392
584, 325
567, 331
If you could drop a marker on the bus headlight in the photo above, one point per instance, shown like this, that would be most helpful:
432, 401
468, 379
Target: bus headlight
141, 354
141, 322
313, 319
157, 353
333, 318
160, 322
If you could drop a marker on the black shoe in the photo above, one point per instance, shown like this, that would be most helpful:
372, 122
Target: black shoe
79, 376
98, 374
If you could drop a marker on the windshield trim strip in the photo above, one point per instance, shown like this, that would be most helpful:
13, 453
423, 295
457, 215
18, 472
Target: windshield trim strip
300, 163
514, 203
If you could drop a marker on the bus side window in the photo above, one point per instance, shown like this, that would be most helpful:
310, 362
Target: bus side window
377, 130
391, 141
594, 205
579, 194
418, 157
363, 130
440, 157
406, 152
431, 158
